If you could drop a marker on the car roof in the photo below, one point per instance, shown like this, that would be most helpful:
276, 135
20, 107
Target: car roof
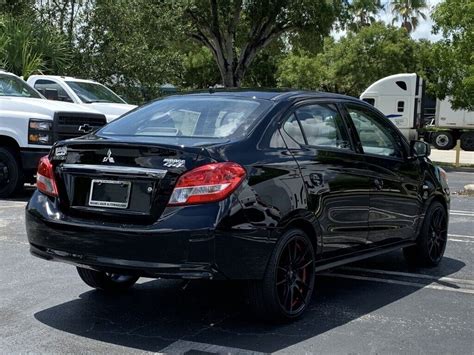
60, 77
270, 94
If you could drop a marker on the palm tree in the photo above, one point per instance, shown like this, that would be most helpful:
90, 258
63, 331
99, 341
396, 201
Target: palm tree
407, 12
27, 47
363, 13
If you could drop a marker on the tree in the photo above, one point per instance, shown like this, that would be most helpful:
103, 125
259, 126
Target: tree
454, 55
352, 64
28, 46
363, 13
63, 14
132, 46
235, 31
407, 12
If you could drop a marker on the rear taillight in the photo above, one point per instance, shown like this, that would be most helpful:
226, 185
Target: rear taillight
207, 183
45, 178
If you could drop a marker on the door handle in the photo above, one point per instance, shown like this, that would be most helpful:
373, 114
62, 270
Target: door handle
378, 184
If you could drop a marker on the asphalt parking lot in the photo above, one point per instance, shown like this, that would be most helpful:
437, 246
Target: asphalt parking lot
376, 306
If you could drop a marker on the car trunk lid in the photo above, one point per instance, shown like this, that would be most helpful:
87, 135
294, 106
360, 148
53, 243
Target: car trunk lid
120, 181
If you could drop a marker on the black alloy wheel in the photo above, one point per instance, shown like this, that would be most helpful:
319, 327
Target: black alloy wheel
437, 235
431, 243
294, 275
286, 290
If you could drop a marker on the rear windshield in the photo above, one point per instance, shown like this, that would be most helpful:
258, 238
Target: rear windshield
191, 116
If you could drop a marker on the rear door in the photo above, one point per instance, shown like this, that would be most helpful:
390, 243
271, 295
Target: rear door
335, 176
395, 183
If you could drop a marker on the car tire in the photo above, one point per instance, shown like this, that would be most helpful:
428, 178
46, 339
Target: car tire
432, 240
286, 289
467, 141
443, 140
106, 281
11, 178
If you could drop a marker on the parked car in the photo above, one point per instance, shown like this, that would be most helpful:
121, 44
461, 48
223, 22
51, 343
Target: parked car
83, 92
29, 125
269, 187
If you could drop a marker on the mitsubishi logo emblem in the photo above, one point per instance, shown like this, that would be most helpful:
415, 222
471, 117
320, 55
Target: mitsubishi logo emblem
109, 158
85, 128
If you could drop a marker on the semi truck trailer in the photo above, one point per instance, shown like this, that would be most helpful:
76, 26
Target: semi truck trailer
403, 99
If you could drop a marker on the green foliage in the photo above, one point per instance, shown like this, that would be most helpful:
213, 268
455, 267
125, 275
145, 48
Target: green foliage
236, 31
408, 13
28, 47
363, 13
200, 69
352, 64
130, 46
454, 55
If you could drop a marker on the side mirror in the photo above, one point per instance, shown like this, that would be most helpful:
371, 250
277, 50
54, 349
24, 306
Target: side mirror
420, 149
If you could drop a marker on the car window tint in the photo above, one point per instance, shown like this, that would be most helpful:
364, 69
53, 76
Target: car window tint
52, 90
191, 116
374, 136
293, 129
322, 126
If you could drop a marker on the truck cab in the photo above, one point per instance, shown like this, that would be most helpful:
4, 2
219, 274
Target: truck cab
402, 98
30, 124
399, 98
82, 92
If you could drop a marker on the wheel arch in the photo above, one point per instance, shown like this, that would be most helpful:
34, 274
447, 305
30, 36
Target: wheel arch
308, 223
12, 144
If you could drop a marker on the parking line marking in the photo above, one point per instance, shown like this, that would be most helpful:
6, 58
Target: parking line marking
461, 214
398, 282
408, 274
461, 241
461, 236
184, 346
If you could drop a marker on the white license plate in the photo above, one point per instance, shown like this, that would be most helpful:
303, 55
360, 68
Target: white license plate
110, 193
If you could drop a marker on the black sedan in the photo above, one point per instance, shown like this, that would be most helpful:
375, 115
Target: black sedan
269, 187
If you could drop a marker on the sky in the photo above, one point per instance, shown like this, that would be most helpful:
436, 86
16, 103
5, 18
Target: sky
422, 31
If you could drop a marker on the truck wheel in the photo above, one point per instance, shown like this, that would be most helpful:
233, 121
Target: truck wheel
431, 242
286, 289
106, 281
467, 141
443, 140
11, 179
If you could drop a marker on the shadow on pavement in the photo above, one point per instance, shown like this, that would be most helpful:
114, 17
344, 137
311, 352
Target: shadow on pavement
157, 313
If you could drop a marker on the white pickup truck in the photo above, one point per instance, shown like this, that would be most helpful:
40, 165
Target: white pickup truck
30, 124
82, 92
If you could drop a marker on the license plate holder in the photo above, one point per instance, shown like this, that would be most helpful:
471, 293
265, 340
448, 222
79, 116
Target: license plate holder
110, 193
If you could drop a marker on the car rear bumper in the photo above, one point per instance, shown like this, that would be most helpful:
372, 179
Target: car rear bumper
129, 267
196, 250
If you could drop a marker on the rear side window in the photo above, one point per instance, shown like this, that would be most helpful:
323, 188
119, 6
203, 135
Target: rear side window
293, 129
191, 116
322, 126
